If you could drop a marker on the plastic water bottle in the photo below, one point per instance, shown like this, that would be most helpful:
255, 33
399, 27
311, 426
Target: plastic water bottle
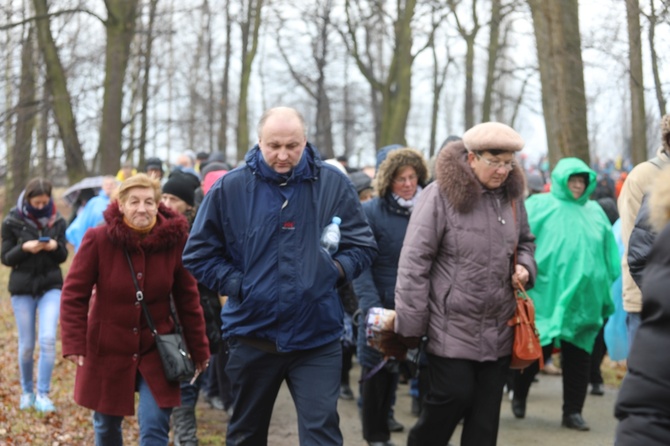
330, 238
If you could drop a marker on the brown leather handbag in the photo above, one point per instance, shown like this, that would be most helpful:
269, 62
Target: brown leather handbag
526, 348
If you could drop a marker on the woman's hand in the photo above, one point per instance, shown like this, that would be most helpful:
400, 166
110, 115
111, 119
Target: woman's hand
33, 246
520, 276
77, 359
51, 245
200, 367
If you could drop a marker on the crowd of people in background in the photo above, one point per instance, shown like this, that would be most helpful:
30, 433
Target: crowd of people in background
235, 253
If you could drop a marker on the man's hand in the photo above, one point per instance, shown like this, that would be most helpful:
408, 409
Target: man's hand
520, 276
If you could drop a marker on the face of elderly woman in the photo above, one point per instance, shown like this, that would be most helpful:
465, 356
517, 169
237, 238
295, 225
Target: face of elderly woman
405, 182
140, 207
492, 171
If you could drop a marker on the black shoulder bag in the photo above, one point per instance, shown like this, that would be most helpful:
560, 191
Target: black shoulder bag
177, 362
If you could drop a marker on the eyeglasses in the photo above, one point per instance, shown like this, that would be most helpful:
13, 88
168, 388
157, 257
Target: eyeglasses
507, 165
403, 180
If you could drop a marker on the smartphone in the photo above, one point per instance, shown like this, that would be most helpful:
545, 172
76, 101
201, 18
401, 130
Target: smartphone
44, 239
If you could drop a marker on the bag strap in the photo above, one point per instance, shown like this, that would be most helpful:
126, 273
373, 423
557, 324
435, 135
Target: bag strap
140, 298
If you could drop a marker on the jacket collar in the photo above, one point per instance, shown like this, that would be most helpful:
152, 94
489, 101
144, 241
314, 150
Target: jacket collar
459, 184
307, 169
170, 229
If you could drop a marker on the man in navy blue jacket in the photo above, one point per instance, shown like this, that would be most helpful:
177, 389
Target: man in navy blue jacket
256, 240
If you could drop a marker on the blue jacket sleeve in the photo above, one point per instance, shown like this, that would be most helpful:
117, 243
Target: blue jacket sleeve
205, 254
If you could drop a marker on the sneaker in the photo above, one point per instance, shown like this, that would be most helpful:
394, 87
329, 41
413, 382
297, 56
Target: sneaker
27, 401
44, 404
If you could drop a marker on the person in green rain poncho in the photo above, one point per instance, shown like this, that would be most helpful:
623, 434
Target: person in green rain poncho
577, 260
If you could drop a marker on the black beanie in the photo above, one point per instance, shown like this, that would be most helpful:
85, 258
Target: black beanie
182, 185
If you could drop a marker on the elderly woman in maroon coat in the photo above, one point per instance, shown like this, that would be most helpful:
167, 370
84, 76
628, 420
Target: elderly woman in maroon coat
104, 330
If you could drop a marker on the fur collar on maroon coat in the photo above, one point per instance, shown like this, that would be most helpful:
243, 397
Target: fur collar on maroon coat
171, 228
459, 184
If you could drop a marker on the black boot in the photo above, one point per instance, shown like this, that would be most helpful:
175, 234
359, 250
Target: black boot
185, 427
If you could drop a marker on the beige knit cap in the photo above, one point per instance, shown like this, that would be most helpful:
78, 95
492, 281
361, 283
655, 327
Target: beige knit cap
492, 136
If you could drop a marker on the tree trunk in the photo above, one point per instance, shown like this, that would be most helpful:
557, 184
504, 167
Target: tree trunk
638, 149
658, 85
26, 109
396, 88
149, 43
62, 104
250, 31
224, 103
556, 24
494, 44
120, 28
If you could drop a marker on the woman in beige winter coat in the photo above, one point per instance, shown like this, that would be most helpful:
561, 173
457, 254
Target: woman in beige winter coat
455, 282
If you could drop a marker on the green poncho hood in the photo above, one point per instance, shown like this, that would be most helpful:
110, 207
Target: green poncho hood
577, 260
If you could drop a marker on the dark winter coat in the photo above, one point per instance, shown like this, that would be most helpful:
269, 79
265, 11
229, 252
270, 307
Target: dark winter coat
375, 287
642, 405
454, 277
640, 242
102, 320
32, 274
256, 240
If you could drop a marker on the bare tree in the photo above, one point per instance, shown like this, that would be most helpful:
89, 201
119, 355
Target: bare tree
556, 25
638, 148
250, 26
318, 15
222, 140
494, 45
439, 77
62, 103
25, 111
120, 29
146, 77
653, 18
469, 36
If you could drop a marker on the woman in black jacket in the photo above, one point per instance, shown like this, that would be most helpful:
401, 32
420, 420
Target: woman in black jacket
33, 245
642, 406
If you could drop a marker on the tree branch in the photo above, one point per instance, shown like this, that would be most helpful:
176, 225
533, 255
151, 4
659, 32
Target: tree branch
52, 14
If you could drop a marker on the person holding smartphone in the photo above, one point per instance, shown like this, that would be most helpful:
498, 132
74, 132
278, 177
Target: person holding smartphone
33, 245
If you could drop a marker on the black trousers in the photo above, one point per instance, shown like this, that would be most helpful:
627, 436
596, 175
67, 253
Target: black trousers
377, 397
599, 350
461, 389
575, 364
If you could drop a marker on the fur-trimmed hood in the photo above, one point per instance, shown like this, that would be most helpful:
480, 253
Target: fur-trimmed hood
171, 229
395, 159
458, 182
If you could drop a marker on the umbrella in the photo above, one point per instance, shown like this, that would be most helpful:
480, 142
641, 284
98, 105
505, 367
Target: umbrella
72, 192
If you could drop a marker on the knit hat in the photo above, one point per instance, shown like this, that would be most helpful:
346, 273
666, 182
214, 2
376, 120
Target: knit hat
492, 136
153, 163
183, 186
361, 181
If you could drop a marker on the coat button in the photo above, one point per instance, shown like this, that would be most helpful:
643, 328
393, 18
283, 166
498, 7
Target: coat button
139, 275
135, 330
135, 357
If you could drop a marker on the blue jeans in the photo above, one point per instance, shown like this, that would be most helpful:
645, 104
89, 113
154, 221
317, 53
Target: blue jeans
154, 422
313, 378
26, 310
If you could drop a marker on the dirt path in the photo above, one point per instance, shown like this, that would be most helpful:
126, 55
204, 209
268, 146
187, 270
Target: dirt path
540, 427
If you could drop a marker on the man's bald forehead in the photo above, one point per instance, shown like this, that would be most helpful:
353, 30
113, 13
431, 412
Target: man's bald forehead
285, 113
